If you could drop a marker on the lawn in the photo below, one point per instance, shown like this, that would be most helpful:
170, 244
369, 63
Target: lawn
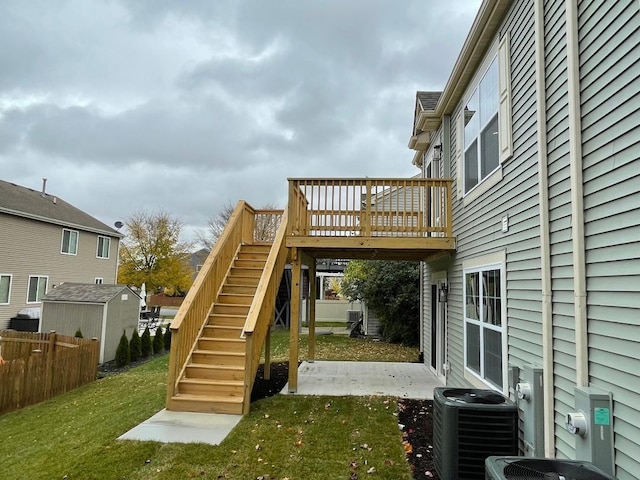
74, 435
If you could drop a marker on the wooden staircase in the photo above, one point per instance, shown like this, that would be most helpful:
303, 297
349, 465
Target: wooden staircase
214, 375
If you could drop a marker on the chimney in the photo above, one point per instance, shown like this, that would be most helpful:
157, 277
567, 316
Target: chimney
44, 186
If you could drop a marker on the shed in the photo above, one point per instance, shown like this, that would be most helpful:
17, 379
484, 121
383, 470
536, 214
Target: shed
98, 310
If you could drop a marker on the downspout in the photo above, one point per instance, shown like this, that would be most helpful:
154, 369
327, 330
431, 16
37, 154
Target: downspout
545, 248
577, 196
103, 334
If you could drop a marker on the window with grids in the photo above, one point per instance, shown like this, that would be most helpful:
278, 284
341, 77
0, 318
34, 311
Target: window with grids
5, 289
104, 243
37, 288
481, 130
483, 323
69, 242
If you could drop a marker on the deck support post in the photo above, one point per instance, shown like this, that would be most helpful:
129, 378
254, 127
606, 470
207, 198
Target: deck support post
294, 324
312, 311
267, 355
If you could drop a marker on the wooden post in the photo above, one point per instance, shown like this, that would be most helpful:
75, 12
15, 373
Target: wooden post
48, 359
312, 311
267, 354
294, 327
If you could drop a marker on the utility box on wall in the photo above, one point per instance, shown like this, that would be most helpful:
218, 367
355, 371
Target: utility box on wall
592, 425
530, 394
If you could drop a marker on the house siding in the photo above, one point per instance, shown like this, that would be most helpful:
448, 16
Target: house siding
122, 316
33, 248
609, 46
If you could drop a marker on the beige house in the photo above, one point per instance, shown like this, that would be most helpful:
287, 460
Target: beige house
45, 241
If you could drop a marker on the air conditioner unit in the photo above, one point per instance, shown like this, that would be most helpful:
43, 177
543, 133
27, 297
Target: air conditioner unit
353, 316
470, 425
521, 468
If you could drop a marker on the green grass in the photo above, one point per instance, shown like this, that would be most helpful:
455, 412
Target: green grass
73, 436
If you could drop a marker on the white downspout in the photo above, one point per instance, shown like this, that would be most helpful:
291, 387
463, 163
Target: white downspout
577, 197
545, 248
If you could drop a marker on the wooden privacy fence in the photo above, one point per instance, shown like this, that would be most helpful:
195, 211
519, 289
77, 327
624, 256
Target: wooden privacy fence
40, 366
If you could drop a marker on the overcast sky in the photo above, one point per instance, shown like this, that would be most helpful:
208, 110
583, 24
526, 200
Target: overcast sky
187, 105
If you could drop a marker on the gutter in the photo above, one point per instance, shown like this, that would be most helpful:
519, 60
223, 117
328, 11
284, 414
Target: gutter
577, 196
545, 244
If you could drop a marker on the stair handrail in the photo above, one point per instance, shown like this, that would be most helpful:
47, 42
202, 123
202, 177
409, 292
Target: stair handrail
261, 312
194, 311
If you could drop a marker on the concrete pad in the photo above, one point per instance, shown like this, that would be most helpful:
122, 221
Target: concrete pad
184, 427
405, 380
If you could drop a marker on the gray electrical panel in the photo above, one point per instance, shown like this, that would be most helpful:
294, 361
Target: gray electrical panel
592, 424
530, 396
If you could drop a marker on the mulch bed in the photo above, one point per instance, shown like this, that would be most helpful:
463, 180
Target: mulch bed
414, 419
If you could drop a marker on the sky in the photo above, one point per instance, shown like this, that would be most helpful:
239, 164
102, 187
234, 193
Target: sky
187, 106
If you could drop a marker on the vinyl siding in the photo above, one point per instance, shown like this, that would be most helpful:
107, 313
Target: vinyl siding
609, 36
477, 223
122, 315
33, 248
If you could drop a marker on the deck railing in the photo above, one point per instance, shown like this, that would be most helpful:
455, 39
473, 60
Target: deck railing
370, 207
194, 311
262, 310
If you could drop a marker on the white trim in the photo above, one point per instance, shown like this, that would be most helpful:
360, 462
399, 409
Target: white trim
46, 289
545, 246
437, 279
62, 241
505, 120
98, 247
10, 276
484, 186
103, 333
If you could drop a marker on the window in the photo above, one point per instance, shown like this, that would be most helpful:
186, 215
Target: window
69, 242
37, 288
5, 289
484, 323
481, 149
104, 243
99, 280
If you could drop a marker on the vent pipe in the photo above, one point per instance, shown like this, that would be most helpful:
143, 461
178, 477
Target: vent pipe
44, 187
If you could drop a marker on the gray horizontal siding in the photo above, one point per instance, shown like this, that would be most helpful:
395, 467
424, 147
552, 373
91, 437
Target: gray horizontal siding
610, 102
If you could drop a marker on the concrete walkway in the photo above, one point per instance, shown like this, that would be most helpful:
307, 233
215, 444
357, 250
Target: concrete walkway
406, 380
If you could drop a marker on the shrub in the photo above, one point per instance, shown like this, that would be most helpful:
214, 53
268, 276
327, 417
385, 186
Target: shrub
167, 338
78, 333
135, 345
123, 356
158, 341
145, 343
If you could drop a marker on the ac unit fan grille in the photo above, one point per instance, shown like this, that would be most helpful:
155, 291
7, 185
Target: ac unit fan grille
549, 469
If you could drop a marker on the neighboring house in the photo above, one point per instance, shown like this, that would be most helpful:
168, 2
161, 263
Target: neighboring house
45, 241
197, 259
99, 310
539, 126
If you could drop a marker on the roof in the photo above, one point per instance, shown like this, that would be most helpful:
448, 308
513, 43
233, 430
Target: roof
428, 100
44, 207
86, 292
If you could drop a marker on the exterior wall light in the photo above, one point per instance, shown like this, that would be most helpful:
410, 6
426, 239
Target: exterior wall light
437, 151
443, 293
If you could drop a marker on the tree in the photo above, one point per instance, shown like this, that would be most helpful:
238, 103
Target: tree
264, 228
167, 338
152, 253
158, 341
392, 291
123, 355
135, 346
145, 343
78, 333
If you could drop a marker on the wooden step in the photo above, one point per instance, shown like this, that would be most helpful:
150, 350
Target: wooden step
222, 331
216, 357
204, 386
245, 272
230, 309
242, 280
262, 256
264, 248
226, 320
215, 372
235, 298
239, 289
249, 263
231, 345
183, 402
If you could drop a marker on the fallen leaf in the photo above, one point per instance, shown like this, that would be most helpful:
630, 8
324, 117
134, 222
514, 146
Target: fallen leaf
371, 470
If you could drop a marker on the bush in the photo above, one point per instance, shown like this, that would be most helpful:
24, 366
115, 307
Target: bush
167, 338
123, 356
78, 333
158, 341
145, 343
135, 345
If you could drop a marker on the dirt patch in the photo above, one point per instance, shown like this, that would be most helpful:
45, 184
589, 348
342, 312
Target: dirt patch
415, 418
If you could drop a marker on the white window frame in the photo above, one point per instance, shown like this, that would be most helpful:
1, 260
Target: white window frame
71, 232
98, 252
499, 52
39, 294
495, 261
99, 280
10, 277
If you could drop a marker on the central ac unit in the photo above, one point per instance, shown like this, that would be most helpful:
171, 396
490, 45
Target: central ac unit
470, 425
521, 468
